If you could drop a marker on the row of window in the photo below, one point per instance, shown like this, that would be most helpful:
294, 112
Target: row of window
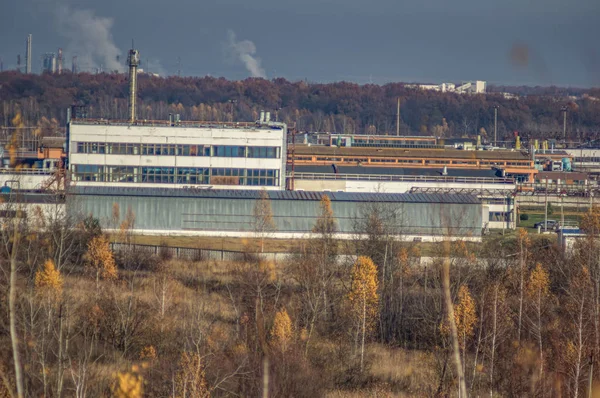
407, 161
591, 159
117, 148
172, 175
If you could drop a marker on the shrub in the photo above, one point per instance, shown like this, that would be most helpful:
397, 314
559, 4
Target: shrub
524, 217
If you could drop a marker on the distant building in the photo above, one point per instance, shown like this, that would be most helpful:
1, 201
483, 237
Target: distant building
474, 87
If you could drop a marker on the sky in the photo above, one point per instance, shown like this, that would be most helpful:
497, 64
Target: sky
510, 42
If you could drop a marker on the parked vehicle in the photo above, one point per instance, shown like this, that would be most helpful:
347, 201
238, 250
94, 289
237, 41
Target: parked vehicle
552, 224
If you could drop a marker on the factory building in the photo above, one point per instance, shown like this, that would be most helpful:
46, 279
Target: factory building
516, 164
496, 193
167, 211
177, 154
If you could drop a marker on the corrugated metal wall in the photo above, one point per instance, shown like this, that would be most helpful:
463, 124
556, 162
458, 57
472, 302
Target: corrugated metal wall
162, 213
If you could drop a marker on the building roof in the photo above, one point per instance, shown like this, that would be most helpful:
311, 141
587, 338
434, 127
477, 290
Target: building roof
409, 153
277, 195
395, 171
562, 175
53, 142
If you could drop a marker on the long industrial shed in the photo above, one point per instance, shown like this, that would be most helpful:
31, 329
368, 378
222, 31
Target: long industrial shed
205, 212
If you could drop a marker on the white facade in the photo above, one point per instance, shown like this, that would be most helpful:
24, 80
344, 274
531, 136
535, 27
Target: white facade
178, 156
585, 159
498, 213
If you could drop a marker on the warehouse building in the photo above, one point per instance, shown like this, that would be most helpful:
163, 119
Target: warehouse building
516, 164
167, 211
182, 154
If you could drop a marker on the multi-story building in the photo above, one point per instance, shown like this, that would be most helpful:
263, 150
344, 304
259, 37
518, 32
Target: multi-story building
181, 154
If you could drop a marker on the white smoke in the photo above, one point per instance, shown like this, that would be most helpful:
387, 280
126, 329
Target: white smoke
89, 37
244, 51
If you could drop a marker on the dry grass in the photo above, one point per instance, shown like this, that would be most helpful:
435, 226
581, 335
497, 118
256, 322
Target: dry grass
397, 373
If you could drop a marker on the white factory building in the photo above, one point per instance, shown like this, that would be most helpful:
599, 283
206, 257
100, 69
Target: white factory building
181, 155
474, 87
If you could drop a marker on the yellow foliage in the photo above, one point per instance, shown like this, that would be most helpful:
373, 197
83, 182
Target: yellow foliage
538, 285
523, 237
590, 222
326, 221
149, 353
281, 333
363, 296
49, 279
465, 314
190, 381
101, 258
128, 385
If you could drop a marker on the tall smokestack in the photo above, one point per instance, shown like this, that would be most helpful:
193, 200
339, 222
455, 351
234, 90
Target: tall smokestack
28, 55
60, 61
133, 59
74, 65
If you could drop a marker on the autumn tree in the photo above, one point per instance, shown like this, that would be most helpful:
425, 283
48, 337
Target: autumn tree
101, 259
281, 332
263, 222
128, 384
364, 301
314, 270
190, 380
49, 278
538, 291
523, 242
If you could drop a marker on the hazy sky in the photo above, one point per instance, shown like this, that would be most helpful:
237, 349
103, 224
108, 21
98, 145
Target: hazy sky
320, 40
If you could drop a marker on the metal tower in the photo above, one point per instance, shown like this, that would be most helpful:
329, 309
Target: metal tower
133, 59
28, 55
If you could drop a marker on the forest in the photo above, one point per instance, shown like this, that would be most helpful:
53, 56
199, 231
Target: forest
514, 316
333, 107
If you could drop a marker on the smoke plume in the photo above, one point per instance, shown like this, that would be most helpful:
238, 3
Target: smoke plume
89, 37
244, 51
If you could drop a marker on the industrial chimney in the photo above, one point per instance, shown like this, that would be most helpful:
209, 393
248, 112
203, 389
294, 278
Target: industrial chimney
60, 61
133, 60
28, 55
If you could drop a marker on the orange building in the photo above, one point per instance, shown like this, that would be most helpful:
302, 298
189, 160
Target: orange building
517, 164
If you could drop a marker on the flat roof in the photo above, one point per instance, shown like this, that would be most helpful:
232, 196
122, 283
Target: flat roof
395, 171
409, 153
276, 195
186, 123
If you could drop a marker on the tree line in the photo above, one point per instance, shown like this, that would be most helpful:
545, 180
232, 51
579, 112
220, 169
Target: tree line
340, 107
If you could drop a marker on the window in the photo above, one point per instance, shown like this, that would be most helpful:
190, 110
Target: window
266, 152
192, 175
85, 172
158, 175
229, 151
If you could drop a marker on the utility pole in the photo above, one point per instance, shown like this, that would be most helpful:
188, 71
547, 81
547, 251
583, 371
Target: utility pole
398, 119
178, 66
495, 125
231, 102
564, 109
546, 208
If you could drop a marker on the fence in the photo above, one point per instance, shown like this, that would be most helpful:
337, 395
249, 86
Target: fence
190, 253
